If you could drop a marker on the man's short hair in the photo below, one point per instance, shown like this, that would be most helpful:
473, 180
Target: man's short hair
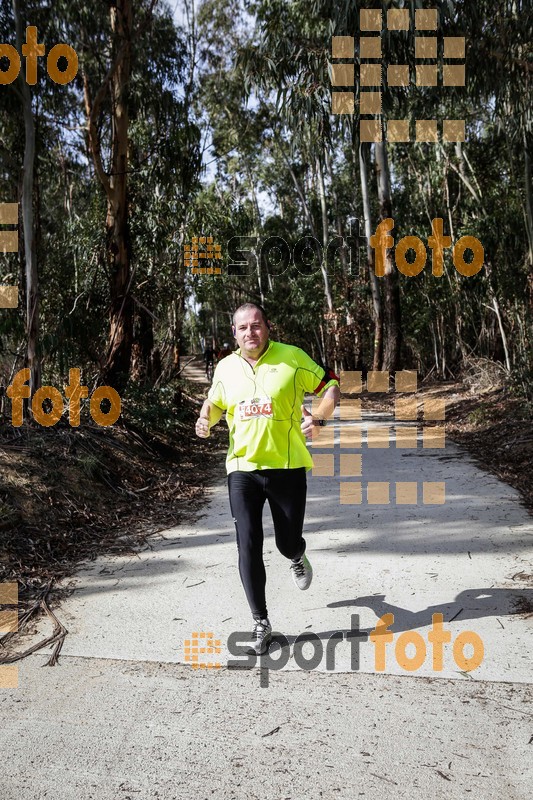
248, 307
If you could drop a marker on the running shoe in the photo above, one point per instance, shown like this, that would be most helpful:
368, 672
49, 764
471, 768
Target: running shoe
261, 636
302, 572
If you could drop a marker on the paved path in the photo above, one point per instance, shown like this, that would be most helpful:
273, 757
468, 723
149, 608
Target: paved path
193, 369
125, 715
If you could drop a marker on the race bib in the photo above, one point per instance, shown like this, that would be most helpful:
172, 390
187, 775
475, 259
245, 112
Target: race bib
256, 407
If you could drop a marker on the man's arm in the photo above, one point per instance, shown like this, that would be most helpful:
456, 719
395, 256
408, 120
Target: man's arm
210, 414
330, 399
310, 424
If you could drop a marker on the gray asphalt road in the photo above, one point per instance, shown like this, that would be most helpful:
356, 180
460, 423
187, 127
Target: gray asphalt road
126, 715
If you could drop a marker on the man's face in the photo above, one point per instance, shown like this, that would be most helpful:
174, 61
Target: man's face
251, 332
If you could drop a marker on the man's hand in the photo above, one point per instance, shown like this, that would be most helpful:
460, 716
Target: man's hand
308, 425
209, 415
202, 427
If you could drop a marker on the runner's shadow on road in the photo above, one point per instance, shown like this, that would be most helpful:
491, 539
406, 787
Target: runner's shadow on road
469, 604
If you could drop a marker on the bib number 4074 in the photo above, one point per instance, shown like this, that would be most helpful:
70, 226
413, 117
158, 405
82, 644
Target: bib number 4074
249, 409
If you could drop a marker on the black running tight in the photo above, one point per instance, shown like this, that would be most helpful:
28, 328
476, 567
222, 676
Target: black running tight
285, 490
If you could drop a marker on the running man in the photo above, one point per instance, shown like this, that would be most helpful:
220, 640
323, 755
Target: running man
224, 352
209, 358
261, 388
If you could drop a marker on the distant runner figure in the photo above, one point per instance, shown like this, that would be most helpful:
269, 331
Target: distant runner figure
226, 351
209, 358
261, 388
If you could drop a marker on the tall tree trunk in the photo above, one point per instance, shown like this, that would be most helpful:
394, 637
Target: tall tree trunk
529, 211
255, 233
174, 336
117, 365
392, 327
332, 315
339, 227
143, 347
364, 152
496, 308
325, 233
455, 288
30, 254
117, 360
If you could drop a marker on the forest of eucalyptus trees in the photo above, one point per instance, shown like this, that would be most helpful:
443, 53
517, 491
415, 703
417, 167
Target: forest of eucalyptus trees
213, 119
